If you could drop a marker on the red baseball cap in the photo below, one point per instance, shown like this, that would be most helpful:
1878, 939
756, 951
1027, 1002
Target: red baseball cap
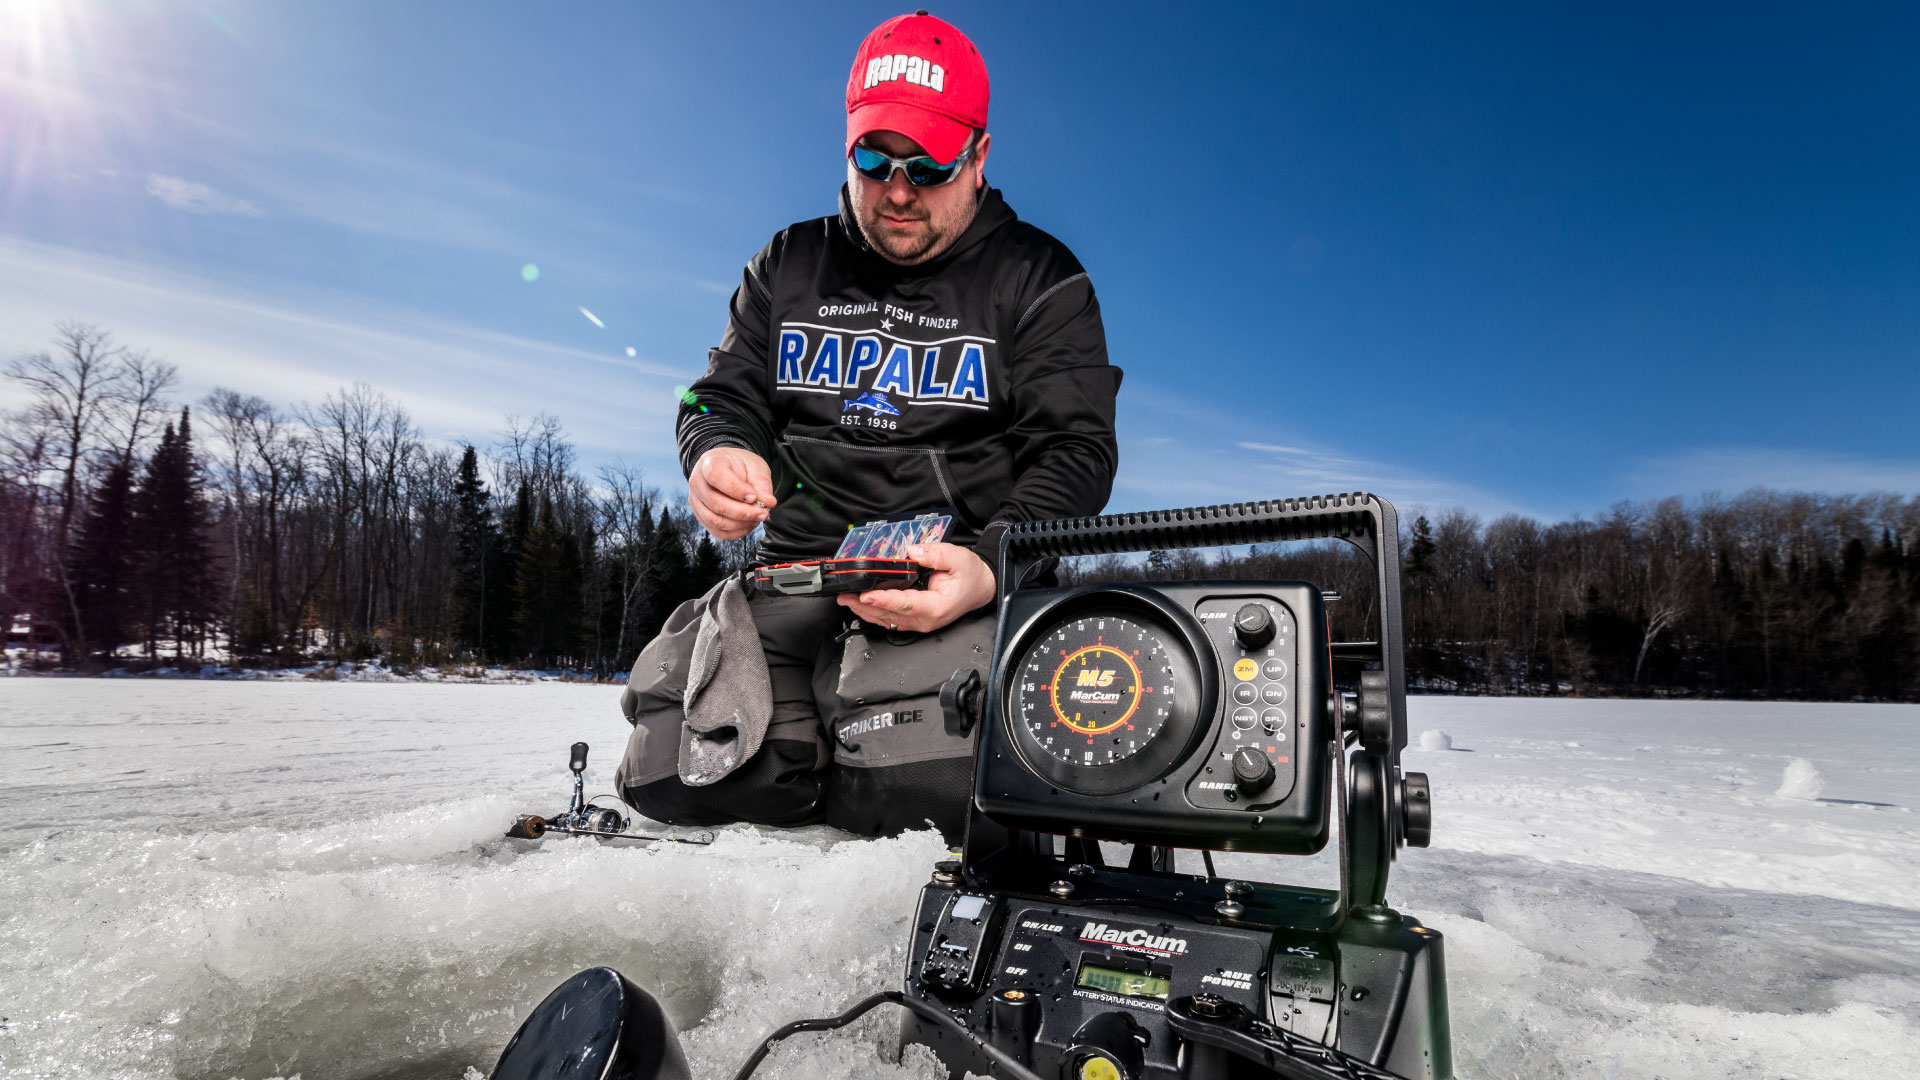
919, 76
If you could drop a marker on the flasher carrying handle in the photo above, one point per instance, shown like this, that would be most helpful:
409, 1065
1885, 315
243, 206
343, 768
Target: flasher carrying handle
1353, 517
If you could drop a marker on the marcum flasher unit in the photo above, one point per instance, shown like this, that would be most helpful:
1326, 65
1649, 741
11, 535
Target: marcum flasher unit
1216, 715
873, 556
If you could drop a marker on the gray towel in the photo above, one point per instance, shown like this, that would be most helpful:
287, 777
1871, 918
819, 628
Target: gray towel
729, 699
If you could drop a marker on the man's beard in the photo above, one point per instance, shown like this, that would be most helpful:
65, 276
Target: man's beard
902, 248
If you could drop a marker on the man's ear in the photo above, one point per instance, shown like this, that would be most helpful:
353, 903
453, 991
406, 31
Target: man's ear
980, 161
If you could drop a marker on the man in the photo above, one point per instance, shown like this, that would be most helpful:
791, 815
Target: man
974, 346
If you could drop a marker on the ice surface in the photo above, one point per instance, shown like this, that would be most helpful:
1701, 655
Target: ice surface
1800, 780
262, 879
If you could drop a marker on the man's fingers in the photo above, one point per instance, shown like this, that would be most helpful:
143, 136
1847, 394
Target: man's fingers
899, 609
940, 555
726, 518
732, 482
932, 556
720, 506
760, 482
739, 474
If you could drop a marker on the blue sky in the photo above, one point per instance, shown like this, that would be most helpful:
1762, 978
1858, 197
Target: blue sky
1513, 258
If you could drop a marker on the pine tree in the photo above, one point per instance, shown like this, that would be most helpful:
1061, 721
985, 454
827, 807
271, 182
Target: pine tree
171, 549
669, 578
102, 561
547, 591
478, 619
502, 587
1419, 574
708, 567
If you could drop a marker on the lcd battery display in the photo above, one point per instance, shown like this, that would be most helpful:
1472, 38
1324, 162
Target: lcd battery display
1125, 983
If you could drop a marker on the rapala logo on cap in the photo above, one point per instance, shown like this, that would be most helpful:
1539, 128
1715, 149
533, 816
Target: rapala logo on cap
1134, 939
915, 70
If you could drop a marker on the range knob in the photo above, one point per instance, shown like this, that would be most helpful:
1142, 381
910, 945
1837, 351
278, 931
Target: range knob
1253, 625
1252, 770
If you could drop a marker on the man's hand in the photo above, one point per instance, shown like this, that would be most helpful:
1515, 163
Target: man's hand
961, 581
730, 491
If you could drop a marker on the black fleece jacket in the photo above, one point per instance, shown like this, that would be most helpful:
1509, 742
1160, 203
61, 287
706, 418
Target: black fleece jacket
978, 381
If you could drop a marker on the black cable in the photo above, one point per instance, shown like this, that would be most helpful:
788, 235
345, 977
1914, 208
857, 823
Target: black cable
1000, 1058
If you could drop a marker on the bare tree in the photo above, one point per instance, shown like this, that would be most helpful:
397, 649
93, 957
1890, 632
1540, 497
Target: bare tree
134, 412
235, 418
71, 389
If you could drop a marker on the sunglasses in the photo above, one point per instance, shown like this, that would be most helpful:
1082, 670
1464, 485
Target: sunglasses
921, 171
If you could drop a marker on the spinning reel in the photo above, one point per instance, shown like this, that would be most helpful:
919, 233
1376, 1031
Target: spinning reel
583, 817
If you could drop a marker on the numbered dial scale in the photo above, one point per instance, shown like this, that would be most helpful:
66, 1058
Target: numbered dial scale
1105, 700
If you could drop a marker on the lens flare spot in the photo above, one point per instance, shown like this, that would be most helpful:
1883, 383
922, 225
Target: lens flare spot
631, 351
592, 318
529, 272
687, 397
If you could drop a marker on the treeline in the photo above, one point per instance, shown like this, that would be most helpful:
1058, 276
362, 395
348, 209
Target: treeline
1770, 595
242, 531
134, 526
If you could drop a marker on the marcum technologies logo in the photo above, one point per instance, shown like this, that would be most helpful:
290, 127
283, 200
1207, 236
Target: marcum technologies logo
1134, 939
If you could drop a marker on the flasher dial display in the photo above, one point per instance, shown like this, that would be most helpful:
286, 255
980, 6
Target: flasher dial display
1088, 690
1099, 698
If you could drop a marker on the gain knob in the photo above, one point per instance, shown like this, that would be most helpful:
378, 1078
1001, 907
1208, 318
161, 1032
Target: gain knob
1252, 770
1253, 625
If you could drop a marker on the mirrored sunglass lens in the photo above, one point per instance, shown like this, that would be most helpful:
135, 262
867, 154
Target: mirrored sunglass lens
873, 166
922, 172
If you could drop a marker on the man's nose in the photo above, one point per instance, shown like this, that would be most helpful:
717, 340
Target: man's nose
899, 190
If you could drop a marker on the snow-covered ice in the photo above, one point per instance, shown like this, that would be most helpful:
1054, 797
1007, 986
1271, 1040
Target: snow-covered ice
263, 879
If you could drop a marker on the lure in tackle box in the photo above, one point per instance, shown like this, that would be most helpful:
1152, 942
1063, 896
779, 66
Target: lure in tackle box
873, 556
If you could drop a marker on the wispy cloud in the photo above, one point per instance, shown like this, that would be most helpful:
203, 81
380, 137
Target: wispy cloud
198, 198
453, 378
1730, 469
1211, 460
